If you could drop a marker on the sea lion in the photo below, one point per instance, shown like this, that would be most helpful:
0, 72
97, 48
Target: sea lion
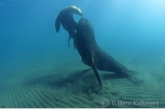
93, 56
65, 17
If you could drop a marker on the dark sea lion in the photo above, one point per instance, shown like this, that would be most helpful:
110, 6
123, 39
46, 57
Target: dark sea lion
65, 17
93, 56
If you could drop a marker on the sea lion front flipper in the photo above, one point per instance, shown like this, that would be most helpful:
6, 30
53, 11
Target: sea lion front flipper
97, 76
57, 24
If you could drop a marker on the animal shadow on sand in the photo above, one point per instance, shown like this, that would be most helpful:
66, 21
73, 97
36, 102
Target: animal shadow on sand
79, 81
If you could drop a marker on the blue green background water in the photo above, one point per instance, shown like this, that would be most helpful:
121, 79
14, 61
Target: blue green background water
130, 27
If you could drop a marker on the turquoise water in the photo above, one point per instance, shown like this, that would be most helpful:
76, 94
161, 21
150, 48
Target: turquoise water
132, 31
130, 27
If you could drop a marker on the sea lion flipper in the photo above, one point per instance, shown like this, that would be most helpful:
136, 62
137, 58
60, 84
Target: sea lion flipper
68, 41
57, 24
136, 81
72, 34
97, 76
133, 72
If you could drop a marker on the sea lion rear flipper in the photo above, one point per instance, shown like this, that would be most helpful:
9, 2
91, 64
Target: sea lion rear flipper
68, 41
72, 34
97, 76
57, 24
136, 81
133, 72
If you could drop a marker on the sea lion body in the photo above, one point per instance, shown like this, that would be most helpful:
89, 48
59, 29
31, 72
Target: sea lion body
92, 55
65, 18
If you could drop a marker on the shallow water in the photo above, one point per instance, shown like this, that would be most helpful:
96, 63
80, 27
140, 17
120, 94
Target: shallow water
38, 69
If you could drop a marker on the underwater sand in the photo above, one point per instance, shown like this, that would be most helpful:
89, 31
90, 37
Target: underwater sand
69, 83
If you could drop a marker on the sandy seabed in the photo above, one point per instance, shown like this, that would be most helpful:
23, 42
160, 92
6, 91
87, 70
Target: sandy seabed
69, 83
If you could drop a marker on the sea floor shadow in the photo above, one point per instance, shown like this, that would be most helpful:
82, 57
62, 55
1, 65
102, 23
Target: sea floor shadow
82, 80
52, 80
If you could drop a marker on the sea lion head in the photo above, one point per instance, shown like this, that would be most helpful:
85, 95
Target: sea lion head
76, 10
85, 33
85, 25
